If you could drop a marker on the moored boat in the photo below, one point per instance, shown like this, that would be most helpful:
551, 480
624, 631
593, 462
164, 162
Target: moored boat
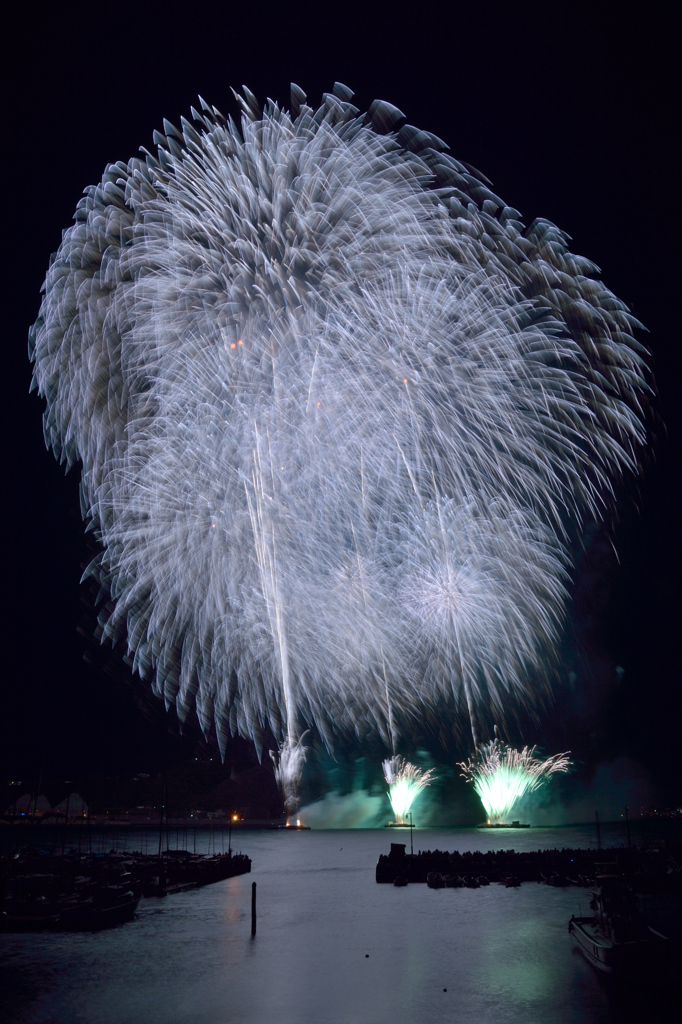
617, 940
103, 911
29, 915
471, 882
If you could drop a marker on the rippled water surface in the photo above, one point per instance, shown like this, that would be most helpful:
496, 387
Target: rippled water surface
332, 947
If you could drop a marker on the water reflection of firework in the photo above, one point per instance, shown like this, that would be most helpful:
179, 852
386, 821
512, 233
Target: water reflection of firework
405, 783
502, 775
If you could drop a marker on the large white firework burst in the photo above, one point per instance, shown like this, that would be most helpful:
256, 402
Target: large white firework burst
335, 407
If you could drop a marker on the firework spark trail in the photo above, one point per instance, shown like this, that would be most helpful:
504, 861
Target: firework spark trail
405, 783
502, 775
481, 592
288, 765
336, 409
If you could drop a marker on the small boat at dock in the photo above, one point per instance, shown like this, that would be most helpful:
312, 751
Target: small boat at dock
89, 891
103, 912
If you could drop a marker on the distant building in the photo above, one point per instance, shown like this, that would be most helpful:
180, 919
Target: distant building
73, 806
25, 807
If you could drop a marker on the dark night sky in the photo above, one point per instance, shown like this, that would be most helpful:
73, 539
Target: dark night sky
569, 109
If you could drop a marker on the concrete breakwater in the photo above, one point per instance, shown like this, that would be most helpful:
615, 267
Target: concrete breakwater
646, 870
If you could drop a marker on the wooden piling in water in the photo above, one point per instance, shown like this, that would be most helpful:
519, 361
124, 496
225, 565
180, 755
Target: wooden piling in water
253, 908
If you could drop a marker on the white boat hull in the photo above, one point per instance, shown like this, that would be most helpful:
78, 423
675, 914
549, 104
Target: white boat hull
643, 958
597, 950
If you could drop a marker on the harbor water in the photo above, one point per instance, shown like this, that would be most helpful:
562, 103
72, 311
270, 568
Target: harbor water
332, 946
